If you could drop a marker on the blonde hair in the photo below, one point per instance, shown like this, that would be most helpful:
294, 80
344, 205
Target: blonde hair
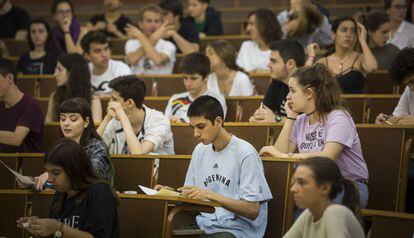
148, 8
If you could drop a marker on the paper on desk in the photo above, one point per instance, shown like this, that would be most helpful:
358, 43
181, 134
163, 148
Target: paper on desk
21, 178
162, 192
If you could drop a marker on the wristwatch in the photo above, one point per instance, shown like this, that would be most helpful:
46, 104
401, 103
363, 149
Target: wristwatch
59, 233
278, 118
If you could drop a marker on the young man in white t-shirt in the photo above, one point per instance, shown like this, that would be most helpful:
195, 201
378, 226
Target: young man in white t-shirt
103, 69
195, 68
146, 51
130, 127
227, 170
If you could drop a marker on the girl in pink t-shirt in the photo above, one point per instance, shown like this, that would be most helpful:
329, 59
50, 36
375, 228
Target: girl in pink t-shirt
324, 128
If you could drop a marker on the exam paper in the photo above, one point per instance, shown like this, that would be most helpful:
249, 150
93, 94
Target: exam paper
21, 178
162, 192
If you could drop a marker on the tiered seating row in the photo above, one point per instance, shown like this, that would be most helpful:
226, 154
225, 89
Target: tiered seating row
392, 158
134, 170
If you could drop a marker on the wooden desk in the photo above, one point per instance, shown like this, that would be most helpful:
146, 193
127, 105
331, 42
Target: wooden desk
139, 215
385, 224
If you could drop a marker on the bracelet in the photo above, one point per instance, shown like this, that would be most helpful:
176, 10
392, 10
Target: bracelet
291, 118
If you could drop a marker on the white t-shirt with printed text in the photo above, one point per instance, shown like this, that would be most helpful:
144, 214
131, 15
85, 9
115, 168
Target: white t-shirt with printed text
115, 69
179, 103
235, 172
146, 65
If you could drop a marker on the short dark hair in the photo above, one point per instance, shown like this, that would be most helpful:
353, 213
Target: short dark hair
196, 63
57, 2
173, 6
207, 107
93, 37
376, 19
289, 49
402, 66
130, 87
7, 67
205, 1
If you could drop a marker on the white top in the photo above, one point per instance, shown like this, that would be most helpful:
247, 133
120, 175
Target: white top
156, 130
235, 172
147, 66
250, 57
179, 103
337, 221
242, 86
405, 104
404, 36
115, 69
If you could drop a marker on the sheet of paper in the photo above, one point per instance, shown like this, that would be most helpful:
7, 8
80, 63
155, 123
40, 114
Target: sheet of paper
162, 192
21, 178
148, 191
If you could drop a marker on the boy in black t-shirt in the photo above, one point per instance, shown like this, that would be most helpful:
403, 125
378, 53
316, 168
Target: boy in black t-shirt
111, 22
183, 32
285, 58
13, 21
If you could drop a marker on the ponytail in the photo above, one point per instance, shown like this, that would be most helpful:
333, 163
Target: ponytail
351, 198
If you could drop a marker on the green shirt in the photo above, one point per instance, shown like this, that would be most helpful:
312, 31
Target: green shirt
200, 26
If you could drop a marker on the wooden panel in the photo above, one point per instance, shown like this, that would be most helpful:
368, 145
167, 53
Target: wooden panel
383, 190
16, 48
32, 166
277, 176
46, 87
12, 207
357, 108
131, 172
52, 133
381, 105
261, 83
27, 85
141, 218
385, 227
172, 172
378, 82
6, 178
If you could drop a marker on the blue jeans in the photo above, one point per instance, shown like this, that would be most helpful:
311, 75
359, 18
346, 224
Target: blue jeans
363, 194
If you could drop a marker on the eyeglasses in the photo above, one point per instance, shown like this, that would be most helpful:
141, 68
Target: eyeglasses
400, 7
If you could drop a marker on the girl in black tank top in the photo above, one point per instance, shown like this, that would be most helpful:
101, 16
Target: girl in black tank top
351, 80
348, 34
